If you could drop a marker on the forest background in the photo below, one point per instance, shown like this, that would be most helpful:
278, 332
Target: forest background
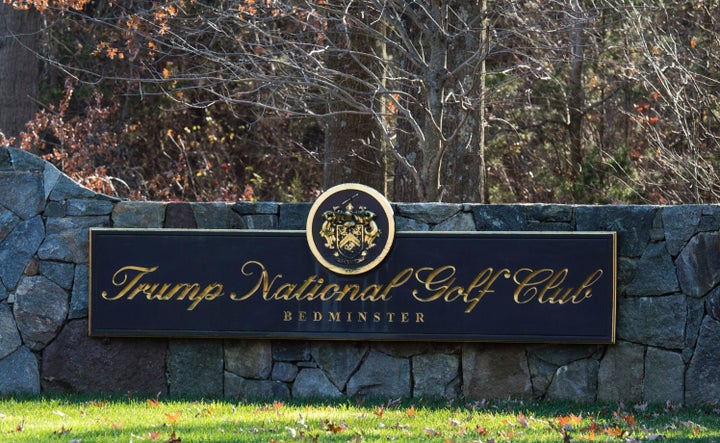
569, 101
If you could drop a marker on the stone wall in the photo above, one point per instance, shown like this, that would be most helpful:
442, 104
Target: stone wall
668, 308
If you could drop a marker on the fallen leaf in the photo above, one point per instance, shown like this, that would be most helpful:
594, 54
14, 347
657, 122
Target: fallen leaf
482, 431
334, 428
153, 402
432, 432
173, 438
172, 416
411, 411
522, 420
379, 411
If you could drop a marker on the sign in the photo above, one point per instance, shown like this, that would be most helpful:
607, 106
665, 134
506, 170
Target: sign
350, 276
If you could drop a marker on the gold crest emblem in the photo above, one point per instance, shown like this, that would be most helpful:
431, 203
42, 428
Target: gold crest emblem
349, 232
350, 228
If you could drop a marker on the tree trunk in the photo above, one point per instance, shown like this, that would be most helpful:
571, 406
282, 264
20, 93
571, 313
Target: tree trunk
576, 97
353, 143
19, 70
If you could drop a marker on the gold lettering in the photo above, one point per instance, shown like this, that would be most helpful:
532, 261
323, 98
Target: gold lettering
211, 292
434, 282
284, 292
419, 317
264, 281
527, 287
317, 316
145, 288
585, 289
120, 278
545, 286
334, 316
484, 281
362, 317
350, 287
369, 294
404, 317
312, 294
377, 317
287, 315
400, 279
324, 293
302, 316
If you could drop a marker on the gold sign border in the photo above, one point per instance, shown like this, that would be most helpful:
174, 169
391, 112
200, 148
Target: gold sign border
388, 212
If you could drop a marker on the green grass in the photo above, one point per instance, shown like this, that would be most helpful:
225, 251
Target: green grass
73, 419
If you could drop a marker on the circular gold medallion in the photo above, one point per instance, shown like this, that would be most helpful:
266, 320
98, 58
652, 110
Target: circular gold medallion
350, 228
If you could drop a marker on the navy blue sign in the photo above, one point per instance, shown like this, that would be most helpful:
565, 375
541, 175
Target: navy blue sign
510, 287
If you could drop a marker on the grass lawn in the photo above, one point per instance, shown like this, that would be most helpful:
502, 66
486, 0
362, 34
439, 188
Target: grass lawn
75, 419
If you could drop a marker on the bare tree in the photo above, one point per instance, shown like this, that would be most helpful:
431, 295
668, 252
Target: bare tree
375, 73
19, 68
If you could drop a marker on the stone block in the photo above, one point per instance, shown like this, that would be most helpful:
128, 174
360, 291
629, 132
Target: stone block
702, 379
293, 216
283, 371
664, 376
436, 376
249, 359
576, 381
22, 193
680, 223
88, 207
698, 264
8, 221
381, 376
313, 383
9, 335
195, 368
499, 218
131, 214
254, 208
67, 238
545, 213
76, 363
258, 221
65, 188
18, 248
632, 223
655, 321
80, 293
461, 222
237, 387
40, 309
409, 224
290, 350
620, 377
215, 215
430, 213
495, 372
655, 273
20, 373
180, 216
61, 273
339, 359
